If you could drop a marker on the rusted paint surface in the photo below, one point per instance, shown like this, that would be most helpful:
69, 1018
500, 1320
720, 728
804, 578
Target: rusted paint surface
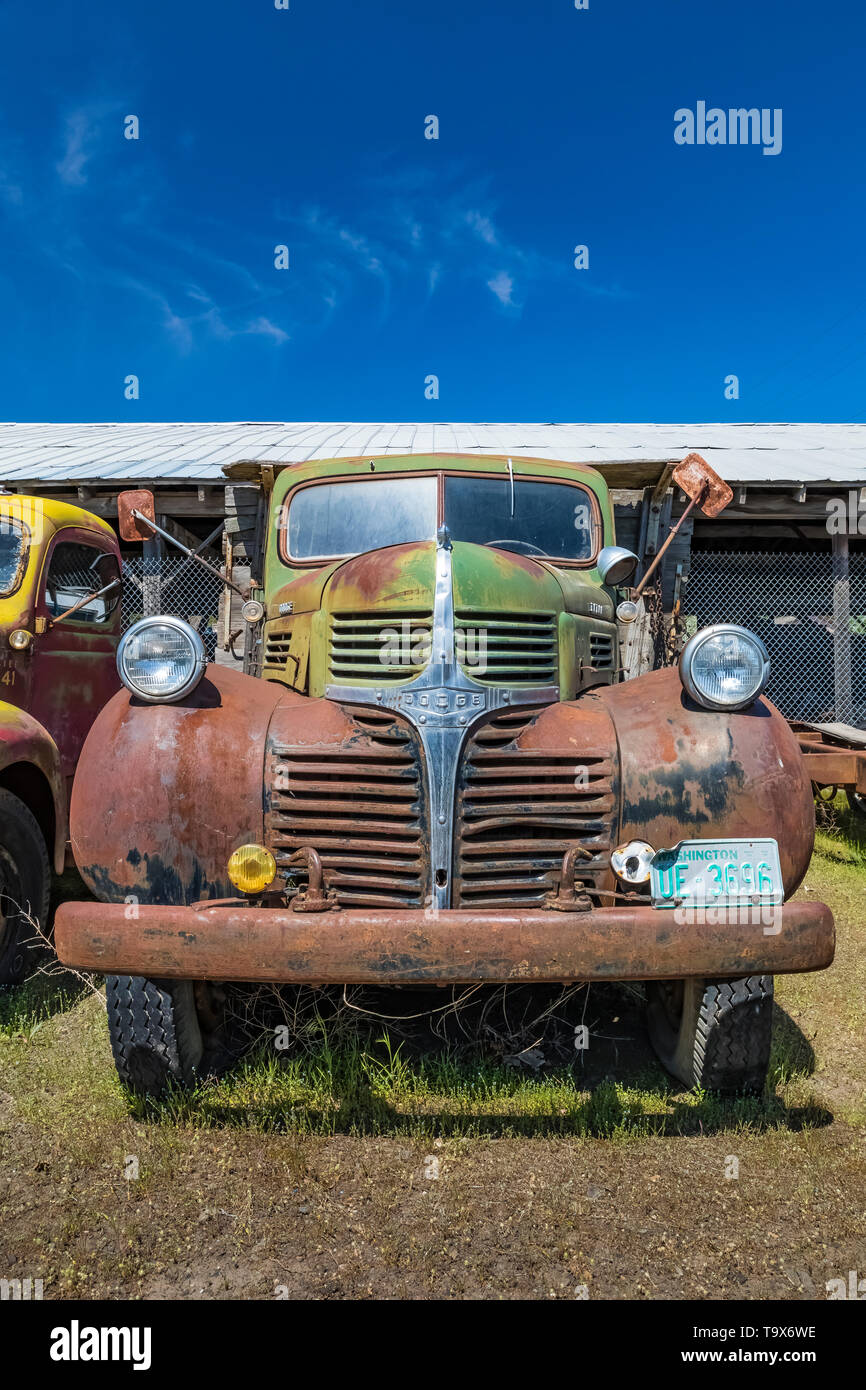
130, 526
23, 741
691, 773
352, 785
490, 584
702, 484
165, 793
830, 761
246, 760
228, 943
276, 571
531, 787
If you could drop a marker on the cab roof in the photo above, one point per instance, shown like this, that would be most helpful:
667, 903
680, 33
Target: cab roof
264, 473
54, 516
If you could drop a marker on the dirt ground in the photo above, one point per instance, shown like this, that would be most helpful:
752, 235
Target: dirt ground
671, 1197
365, 1218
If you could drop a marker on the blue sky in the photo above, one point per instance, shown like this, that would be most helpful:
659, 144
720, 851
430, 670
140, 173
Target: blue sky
411, 257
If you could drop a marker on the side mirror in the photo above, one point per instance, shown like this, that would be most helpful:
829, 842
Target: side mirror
615, 564
130, 526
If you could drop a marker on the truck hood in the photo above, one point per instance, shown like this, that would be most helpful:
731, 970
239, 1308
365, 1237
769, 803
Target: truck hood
403, 577
523, 620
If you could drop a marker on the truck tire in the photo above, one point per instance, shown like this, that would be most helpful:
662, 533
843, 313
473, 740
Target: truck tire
715, 1034
25, 886
155, 1032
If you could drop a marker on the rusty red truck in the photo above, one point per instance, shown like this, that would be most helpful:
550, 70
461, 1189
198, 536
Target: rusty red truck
430, 772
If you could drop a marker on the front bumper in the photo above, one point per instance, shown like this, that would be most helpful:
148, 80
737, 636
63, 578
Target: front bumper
236, 942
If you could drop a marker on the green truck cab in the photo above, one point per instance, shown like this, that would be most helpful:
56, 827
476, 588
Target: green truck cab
430, 772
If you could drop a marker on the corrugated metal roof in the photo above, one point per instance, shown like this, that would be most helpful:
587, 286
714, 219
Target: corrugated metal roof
196, 452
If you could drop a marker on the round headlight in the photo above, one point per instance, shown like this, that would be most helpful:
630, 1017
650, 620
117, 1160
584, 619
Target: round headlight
161, 659
724, 667
253, 611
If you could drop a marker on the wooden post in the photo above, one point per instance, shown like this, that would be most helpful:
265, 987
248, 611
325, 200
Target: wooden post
151, 599
842, 630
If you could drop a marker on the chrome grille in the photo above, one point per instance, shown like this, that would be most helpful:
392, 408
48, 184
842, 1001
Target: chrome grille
378, 648
519, 649
520, 809
361, 806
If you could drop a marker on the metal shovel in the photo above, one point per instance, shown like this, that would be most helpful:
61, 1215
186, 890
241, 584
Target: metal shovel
706, 490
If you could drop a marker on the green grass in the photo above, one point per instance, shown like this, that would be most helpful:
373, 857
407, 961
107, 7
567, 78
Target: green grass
841, 833
26, 1010
361, 1090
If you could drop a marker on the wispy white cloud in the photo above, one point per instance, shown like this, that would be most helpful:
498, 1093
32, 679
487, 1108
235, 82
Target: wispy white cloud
426, 228
78, 142
502, 286
482, 227
263, 327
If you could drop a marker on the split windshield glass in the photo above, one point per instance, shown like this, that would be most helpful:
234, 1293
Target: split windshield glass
548, 520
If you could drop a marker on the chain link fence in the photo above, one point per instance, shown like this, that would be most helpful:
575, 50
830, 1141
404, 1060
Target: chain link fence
809, 614
176, 586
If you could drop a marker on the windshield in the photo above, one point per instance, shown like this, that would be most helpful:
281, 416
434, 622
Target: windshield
550, 520
348, 518
13, 545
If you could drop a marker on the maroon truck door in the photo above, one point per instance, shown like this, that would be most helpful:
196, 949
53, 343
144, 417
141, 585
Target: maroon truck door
73, 666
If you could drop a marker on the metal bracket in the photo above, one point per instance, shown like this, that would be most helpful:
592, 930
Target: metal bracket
315, 897
571, 895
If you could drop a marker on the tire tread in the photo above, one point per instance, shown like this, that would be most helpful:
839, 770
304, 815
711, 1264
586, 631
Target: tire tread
154, 1031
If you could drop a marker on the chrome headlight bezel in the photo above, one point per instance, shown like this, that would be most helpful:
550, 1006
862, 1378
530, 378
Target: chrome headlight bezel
198, 652
693, 646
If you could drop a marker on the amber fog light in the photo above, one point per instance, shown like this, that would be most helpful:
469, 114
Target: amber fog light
20, 639
251, 868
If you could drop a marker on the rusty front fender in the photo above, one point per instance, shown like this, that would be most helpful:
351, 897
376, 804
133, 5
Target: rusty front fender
164, 793
692, 773
28, 754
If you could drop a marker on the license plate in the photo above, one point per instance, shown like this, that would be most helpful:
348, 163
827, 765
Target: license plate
721, 872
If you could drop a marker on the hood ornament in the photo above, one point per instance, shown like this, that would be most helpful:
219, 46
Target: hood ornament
444, 704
